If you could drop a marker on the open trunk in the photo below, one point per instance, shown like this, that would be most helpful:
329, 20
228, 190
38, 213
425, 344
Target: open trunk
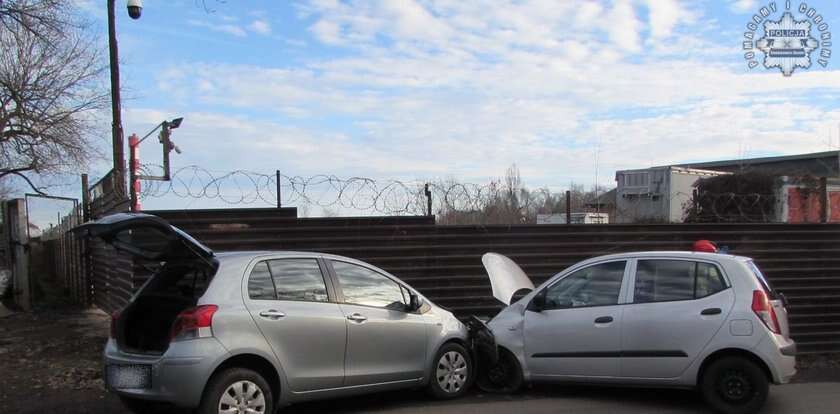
144, 325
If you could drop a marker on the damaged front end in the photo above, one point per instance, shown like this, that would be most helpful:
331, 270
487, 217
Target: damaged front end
482, 341
499, 370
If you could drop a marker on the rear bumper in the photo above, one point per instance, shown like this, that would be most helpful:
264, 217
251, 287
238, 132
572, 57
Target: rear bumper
789, 350
780, 355
177, 377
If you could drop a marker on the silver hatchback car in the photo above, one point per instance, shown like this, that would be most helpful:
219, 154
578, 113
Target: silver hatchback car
662, 319
248, 332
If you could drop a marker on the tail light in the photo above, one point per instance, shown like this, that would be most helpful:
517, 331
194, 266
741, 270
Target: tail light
193, 323
114, 317
764, 309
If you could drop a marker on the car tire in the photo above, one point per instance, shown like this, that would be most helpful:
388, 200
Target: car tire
237, 387
734, 385
452, 372
505, 377
139, 406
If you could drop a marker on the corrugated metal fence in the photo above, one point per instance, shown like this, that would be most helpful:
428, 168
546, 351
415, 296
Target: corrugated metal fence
443, 262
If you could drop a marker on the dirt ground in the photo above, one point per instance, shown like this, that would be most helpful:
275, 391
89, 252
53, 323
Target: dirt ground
50, 361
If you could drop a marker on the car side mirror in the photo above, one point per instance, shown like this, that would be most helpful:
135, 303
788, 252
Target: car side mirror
538, 302
414, 302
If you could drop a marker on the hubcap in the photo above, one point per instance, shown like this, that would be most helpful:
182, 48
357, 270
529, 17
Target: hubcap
452, 372
242, 397
735, 386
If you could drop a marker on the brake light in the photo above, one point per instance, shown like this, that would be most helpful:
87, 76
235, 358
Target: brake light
764, 309
114, 317
193, 323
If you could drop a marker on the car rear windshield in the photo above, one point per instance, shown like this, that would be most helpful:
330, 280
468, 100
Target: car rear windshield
763, 280
187, 280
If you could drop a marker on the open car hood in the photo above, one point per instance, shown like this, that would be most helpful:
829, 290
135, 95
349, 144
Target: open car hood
506, 277
145, 236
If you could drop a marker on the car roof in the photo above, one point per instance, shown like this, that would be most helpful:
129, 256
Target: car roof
247, 256
717, 257
626, 255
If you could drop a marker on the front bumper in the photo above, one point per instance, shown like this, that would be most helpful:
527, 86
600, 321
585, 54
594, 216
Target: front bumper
178, 376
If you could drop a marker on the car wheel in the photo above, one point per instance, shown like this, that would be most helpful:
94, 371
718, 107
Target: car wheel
237, 391
734, 385
452, 373
139, 406
504, 377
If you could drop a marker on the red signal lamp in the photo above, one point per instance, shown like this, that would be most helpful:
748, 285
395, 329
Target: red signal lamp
705, 246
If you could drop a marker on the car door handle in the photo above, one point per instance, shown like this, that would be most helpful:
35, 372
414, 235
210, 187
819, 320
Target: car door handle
357, 317
272, 314
604, 319
711, 311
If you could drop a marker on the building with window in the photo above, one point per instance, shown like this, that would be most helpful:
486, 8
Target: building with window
661, 194
657, 194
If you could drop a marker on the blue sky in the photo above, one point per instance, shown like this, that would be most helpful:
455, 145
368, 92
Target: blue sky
424, 89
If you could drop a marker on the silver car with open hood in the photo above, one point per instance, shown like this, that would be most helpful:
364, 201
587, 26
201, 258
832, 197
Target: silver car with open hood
661, 319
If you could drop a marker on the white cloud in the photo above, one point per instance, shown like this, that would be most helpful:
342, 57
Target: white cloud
327, 31
260, 26
425, 89
623, 26
510, 114
230, 29
743, 6
664, 15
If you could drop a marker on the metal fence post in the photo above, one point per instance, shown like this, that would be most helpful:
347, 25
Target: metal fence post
279, 203
568, 207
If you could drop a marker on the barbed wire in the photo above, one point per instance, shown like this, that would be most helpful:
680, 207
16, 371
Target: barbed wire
243, 187
453, 202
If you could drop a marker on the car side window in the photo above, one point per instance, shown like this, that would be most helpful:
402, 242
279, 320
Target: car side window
675, 280
362, 286
298, 279
260, 286
709, 280
597, 285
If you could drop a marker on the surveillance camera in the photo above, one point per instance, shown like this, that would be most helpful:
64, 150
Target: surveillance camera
135, 7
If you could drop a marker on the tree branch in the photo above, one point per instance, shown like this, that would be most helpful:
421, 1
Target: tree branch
28, 181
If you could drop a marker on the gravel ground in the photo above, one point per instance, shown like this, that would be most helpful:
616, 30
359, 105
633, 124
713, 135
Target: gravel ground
50, 361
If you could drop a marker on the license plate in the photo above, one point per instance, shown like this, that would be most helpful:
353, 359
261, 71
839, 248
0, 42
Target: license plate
129, 376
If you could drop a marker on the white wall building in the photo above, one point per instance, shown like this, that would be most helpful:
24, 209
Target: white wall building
657, 194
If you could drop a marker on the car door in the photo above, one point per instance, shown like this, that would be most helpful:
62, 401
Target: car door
677, 307
576, 331
295, 311
385, 342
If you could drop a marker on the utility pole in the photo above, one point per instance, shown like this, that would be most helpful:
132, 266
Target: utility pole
116, 122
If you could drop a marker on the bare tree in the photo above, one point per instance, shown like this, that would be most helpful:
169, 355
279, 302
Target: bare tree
50, 85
